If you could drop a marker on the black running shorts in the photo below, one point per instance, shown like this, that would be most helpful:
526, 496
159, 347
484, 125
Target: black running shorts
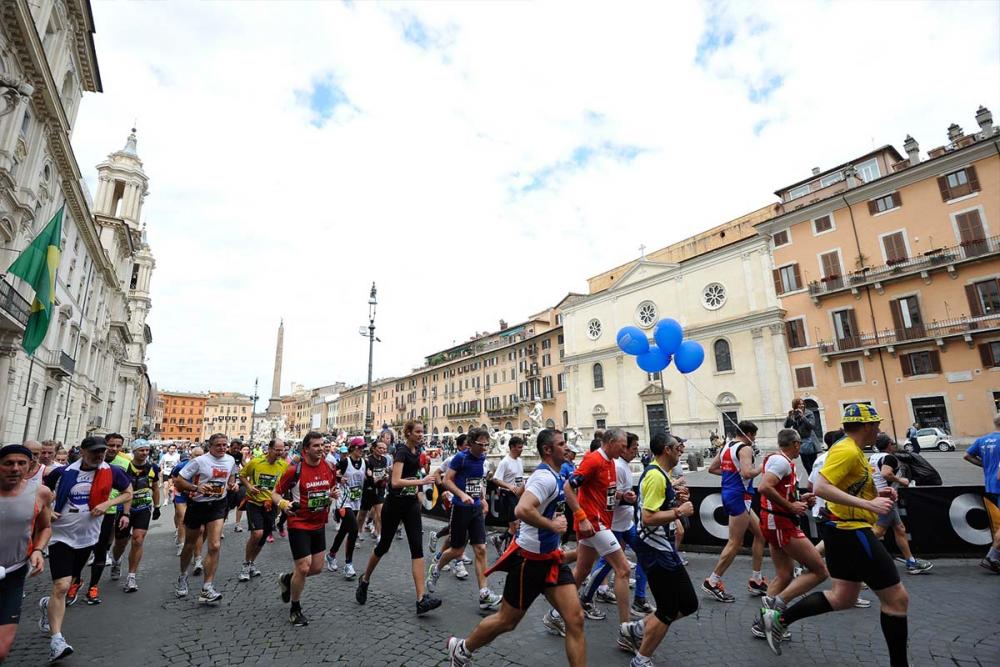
857, 555
305, 543
201, 513
11, 595
138, 520
467, 526
259, 518
65, 561
673, 592
527, 579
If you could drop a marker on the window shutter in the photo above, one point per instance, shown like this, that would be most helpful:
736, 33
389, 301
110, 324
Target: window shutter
945, 190
854, 323
906, 365
986, 354
798, 276
897, 199
872, 208
897, 317
970, 173
935, 358
975, 309
777, 281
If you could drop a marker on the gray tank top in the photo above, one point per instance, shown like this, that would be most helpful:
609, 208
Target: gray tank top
16, 516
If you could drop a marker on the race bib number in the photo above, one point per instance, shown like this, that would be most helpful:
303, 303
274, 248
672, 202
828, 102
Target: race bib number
142, 498
475, 487
378, 474
611, 491
215, 487
408, 490
267, 482
318, 500
518, 481
354, 493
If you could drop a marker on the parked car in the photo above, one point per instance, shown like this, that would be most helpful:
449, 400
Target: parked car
932, 438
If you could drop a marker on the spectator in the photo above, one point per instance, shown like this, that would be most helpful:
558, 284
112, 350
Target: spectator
801, 419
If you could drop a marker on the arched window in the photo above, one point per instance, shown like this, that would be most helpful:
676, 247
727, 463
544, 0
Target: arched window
460, 430
508, 426
598, 376
525, 425
550, 423
723, 357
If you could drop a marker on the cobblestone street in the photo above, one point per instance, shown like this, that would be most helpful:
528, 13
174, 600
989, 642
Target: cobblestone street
953, 621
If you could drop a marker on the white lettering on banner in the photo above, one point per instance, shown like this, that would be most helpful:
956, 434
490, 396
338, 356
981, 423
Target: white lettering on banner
958, 514
706, 511
315, 483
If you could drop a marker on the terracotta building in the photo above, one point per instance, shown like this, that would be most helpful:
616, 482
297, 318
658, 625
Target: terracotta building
888, 269
229, 413
183, 416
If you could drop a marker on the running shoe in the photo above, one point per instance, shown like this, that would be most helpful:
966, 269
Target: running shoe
376, 537
131, 586
460, 571
757, 587
433, 575
466, 559
630, 637
331, 563
116, 570
43, 620
209, 595
640, 661
349, 572
399, 533
108, 560
774, 628
270, 539
244, 574
181, 589
73, 594
641, 607
361, 537
456, 651
427, 603
757, 628
432, 542
446, 568
297, 618
199, 567
497, 542
554, 623
684, 558
282, 532
180, 549
59, 649
255, 571
592, 611
718, 591
93, 595
990, 564
285, 587
489, 600
90, 559
605, 594
862, 603
361, 595
917, 566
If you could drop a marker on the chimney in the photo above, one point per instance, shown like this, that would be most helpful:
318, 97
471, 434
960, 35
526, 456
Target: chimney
815, 171
985, 120
954, 132
912, 149
503, 325
851, 174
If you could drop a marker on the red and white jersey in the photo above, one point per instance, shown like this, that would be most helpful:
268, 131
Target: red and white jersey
783, 468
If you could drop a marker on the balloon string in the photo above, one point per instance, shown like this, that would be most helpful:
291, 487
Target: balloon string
720, 410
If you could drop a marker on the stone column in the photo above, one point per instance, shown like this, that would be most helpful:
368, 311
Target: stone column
781, 365
8, 352
765, 380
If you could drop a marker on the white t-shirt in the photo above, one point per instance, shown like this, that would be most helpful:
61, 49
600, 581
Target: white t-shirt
510, 471
75, 526
779, 466
545, 486
169, 460
215, 471
624, 515
817, 466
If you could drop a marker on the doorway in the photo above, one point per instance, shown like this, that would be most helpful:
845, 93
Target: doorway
656, 417
930, 412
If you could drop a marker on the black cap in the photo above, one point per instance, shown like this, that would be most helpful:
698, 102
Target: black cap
93, 442
15, 448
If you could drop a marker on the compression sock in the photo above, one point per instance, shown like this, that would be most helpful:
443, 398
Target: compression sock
895, 630
813, 604
296, 606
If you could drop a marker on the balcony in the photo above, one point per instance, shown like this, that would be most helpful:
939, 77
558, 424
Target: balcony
890, 339
500, 413
465, 414
940, 258
14, 308
60, 364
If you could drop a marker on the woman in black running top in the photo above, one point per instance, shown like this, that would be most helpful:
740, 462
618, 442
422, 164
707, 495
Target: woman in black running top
403, 507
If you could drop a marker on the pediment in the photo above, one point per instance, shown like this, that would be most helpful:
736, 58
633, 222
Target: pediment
642, 270
652, 391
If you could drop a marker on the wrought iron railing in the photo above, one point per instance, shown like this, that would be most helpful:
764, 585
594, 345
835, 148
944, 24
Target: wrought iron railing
930, 330
13, 303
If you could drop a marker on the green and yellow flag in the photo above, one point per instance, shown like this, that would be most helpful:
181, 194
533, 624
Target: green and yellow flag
37, 266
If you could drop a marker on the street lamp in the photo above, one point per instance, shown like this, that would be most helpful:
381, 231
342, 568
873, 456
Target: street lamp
370, 334
253, 410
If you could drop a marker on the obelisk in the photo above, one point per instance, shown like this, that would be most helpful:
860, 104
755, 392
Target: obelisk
274, 405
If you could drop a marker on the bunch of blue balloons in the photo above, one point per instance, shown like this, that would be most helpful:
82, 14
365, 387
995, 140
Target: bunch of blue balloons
687, 355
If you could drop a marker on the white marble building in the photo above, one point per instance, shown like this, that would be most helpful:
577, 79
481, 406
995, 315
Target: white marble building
89, 375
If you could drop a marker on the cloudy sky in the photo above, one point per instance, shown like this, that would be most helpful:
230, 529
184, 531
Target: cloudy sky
478, 160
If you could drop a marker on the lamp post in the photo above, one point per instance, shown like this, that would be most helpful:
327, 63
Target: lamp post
372, 303
253, 410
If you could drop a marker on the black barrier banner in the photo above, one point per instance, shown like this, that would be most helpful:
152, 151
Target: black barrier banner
940, 520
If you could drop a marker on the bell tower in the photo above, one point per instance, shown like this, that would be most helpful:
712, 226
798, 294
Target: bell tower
122, 185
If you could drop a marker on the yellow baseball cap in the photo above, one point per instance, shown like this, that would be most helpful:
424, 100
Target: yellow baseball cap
860, 413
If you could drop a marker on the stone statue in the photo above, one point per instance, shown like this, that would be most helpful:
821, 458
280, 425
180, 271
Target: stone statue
535, 418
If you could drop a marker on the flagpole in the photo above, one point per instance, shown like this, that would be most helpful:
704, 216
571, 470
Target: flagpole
27, 385
76, 354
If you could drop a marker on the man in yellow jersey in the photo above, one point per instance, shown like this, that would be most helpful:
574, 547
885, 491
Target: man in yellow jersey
853, 553
259, 477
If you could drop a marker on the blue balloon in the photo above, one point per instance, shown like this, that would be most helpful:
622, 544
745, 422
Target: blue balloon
653, 361
632, 340
668, 335
689, 356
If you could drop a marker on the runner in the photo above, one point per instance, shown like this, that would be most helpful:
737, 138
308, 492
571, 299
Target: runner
565, 472
780, 511
206, 479
145, 506
235, 500
678, 481
596, 483
403, 508
623, 526
466, 480
82, 498
736, 465
25, 525
985, 453
377, 467
509, 477
311, 484
533, 563
169, 459
853, 553
885, 465
352, 475
260, 476
181, 500
461, 573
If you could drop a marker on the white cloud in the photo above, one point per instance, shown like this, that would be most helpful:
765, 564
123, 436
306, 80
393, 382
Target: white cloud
255, 213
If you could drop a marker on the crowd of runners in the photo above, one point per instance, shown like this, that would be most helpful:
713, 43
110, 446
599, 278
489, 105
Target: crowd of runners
82, 509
